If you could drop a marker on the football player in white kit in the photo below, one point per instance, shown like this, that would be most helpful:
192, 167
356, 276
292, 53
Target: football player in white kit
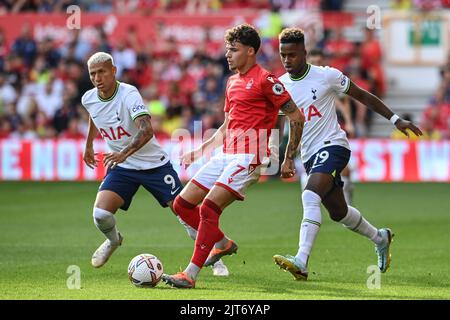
118, 112
325, 150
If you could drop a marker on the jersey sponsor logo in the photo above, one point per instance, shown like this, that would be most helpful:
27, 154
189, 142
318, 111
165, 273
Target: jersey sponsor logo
114, 133
139, 108
278, 89
249, 84
312, 112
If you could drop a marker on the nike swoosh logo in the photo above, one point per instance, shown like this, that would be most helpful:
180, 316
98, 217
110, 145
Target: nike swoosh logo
174, 191
93, 117
316, 166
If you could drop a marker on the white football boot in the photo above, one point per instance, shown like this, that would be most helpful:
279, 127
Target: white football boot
220, 269
102, 254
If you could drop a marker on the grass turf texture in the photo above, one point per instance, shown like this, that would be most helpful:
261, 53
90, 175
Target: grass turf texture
46, 227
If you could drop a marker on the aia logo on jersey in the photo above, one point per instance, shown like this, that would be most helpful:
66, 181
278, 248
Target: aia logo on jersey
114, 133
312, 112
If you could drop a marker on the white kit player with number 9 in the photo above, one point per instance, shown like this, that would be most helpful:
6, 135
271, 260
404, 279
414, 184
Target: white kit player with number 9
135, 157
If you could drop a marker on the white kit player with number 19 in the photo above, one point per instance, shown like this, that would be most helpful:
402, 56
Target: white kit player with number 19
325, 150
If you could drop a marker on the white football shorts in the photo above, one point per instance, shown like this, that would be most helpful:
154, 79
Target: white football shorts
233, 172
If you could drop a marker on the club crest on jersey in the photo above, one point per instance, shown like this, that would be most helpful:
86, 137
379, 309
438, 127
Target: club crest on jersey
314, 93
249, 84
278, 89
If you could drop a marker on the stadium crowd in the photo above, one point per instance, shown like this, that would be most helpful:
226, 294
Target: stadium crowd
41, 82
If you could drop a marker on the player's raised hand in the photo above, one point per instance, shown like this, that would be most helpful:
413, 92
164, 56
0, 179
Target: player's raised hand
288, 168
188, 158
404, 125
111, 160
89, 158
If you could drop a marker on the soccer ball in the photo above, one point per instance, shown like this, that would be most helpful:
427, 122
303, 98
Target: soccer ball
145, 270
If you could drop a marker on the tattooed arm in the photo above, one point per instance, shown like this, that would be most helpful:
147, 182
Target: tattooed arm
296, 122
144, 135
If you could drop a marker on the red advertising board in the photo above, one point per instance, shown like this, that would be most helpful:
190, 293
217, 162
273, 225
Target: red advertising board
374, 160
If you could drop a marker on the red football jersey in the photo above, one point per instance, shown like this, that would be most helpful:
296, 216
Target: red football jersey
252, 101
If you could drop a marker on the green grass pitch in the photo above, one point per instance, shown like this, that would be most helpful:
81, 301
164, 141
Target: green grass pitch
47, 227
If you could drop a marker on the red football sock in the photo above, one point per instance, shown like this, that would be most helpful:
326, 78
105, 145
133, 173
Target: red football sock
208, 232
188, 212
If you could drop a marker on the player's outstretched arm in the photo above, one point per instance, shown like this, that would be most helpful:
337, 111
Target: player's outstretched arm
89, 155
375, 104
145, 133
296, 122
208, 146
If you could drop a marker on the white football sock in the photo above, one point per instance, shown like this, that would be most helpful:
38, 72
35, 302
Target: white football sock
192, 270
106, 223
221, 244
356, 222
348, 190
312, 218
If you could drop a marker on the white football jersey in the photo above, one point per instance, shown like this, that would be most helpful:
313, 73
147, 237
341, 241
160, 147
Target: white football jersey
114, 118
315, 93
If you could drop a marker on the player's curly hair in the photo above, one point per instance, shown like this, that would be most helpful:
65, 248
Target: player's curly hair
292, 35
245, 34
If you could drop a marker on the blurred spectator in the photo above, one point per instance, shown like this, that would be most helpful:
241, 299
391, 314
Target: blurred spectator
8, 94
49, 98
25, 46
73, 130
338, 49
436, 121
124, 57
371, 60
358, 75
76, 47
5, 128
443, 92
4, 49
49, 52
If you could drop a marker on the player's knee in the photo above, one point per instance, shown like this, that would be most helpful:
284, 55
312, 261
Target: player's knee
100, 215
310, 199
209, 211
337, 214
180, 205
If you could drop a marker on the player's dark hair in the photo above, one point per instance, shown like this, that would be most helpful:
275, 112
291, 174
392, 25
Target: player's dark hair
292, 35
245, 34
